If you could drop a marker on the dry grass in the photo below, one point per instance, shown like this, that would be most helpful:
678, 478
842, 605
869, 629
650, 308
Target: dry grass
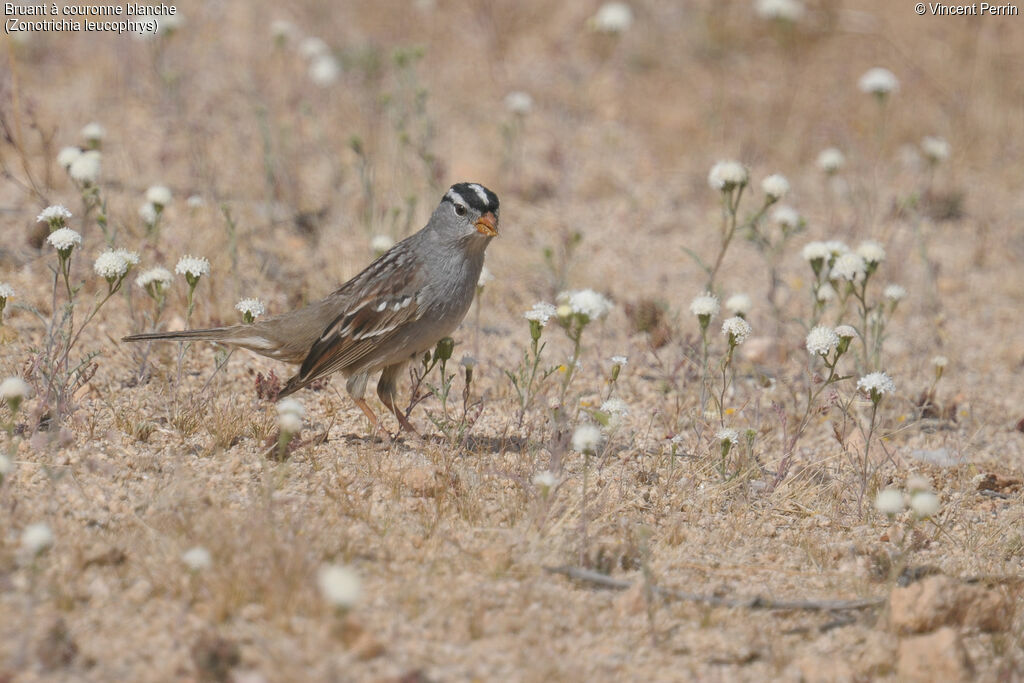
451, 536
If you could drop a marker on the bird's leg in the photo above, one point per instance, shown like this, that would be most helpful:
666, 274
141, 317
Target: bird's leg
386, 387
367, 411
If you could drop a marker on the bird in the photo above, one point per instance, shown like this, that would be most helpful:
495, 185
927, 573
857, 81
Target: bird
399, 307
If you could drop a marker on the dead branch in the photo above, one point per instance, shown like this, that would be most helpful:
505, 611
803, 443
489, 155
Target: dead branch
756, 602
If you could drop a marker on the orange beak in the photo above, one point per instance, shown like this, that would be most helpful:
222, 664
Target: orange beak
487, 225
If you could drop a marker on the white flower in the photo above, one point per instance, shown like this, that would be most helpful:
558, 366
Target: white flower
197, 559
878, 81
340, 586
739, 304
613, 17
918, 482
876, 382
194, 201
54, 214
728, 434
705, 304
131, 257
588, 303
282, 30
786, 217
159, 277
6, 466
831, 160
845, 332
112, 264
782, 10
289, 423
850, 267
149, 214
815, 250
93, 133
889, 502
159, 196
312, 47
545, 479
85, 169
13, 388
871, 251
67, 155
775, 186
485, 277
194, 266
736, 329
940, 361
251, 307
519, 102
541, 313
324, 70
619, 360
894, 293
6, 291
837, 247
725, 175
64, 239
468, 361
586, 438
935, 149
615, 406
290, 406
924, 504
822, 340
826, 292
381, 243
37, 538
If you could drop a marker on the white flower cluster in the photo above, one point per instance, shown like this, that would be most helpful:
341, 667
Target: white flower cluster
113, 264
586, 439
736, 329
876, 383
705, 304
197, 559
935, 149
727, 434
786, 217
85, 169
850, 267
780, 10
381, 243
289, 415
775, 186
250, 307
739, 304
879, 82
55, 214
831, 160
64, 239
6, 291
159, 196
822, 340
586, 303
541, 312
519, 103
13, 388
340, 586
612, 17
192, 266
894, 293
871, 251
158, 277
726, 175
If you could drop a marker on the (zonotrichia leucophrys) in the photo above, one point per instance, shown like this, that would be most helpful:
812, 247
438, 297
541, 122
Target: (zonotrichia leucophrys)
415, 294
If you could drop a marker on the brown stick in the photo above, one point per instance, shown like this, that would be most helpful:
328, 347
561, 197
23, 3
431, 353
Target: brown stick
756, 602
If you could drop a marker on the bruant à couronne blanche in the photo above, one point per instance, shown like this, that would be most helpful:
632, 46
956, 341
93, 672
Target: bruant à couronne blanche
129, 9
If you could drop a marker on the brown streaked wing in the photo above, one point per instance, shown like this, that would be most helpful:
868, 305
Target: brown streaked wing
370, 322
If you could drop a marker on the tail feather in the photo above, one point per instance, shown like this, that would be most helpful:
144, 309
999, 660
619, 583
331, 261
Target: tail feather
211, 334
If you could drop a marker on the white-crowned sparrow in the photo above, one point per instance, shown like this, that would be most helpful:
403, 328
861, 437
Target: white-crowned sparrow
415, 294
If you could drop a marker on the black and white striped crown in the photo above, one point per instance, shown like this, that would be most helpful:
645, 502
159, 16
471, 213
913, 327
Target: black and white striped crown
473, 195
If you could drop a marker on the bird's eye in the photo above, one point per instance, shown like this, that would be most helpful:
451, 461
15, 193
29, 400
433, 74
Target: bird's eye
460, 210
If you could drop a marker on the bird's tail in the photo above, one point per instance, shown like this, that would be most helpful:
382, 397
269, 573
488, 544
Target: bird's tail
221, 334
